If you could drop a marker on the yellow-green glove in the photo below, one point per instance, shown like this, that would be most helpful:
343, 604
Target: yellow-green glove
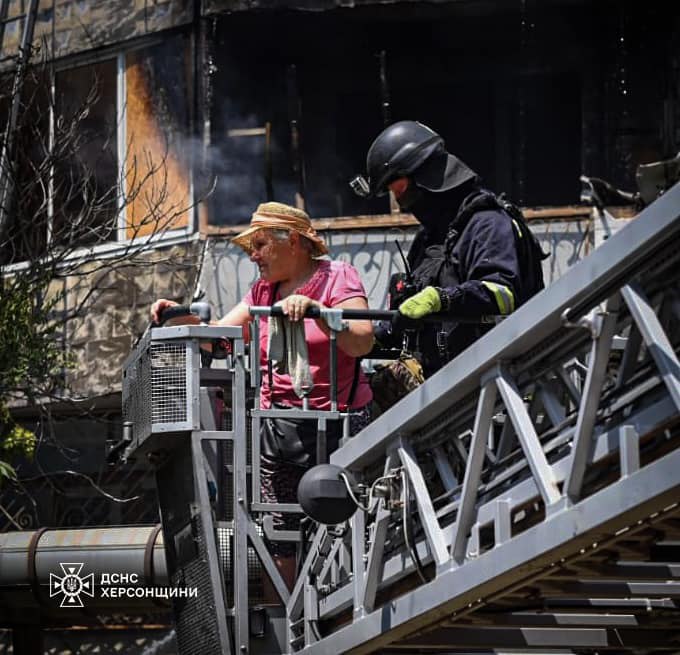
424, 302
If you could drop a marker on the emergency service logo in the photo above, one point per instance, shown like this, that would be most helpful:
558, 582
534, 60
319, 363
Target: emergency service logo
71, 585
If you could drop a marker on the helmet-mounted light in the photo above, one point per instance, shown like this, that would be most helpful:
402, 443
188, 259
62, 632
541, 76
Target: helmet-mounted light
359, 184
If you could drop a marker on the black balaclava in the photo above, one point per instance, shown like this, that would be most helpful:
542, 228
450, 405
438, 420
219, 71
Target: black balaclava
435, 210
436, 190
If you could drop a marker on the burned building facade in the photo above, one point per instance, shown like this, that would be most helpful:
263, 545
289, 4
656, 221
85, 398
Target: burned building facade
280, 99
201, 110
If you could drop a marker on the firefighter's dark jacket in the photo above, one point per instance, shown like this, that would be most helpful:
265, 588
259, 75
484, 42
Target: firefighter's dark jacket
489, 264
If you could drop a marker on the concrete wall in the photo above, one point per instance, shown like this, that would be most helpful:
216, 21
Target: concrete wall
119, 312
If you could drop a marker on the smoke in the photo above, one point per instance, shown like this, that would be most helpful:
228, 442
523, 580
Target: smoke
249, 166
248, 84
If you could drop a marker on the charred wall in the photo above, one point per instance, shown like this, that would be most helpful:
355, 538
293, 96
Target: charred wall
532, 95
286, 95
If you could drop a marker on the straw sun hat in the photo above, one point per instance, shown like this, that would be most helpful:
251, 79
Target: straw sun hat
277, 216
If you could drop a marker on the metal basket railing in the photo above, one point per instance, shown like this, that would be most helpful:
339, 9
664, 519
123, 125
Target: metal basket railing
158, 388
161, 379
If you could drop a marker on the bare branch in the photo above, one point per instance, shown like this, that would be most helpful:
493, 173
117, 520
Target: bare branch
69, 191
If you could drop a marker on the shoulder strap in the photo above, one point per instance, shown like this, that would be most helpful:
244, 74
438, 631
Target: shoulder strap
531, 250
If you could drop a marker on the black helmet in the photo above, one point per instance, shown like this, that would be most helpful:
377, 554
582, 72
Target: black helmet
401, 150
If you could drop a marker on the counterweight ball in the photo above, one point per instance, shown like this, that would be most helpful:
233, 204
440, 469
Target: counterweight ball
323, 495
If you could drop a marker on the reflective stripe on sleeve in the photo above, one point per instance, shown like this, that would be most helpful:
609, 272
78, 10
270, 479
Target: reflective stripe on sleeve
505, 299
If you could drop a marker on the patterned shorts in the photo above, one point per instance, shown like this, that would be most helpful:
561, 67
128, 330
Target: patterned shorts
279, 482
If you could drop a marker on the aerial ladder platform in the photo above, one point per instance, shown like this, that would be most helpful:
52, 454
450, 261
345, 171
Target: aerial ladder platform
525, 498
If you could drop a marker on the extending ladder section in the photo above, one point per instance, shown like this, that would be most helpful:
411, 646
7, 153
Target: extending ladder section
527, 495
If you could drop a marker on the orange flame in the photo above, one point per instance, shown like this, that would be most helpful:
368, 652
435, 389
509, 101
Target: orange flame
156, 175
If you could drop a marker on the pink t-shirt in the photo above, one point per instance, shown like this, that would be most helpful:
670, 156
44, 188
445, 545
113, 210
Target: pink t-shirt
332, 283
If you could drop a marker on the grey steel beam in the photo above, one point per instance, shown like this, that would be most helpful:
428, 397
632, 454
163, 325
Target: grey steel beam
444, 469
428, 518
613, 605
625, 501
397, 566
240, 502
492, 637
526, 434
473, 470
630, 355
608, 588
625, 571
629, 450
268, 563
358, 526
204, 509
568, 385
328, 570
376, 561
642, 422
655, 338
553, 408
597, 369
375, 557
294, 605
310, 614
502, 521
506, 441
567, 619
579, 289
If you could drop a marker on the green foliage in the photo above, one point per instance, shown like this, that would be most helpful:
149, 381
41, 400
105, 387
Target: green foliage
6, 472
15, 441
32, 357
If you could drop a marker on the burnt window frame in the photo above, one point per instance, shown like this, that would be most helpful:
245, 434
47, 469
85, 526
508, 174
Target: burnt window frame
118, 235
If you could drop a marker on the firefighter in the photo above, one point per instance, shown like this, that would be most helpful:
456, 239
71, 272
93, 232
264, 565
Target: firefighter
473, 256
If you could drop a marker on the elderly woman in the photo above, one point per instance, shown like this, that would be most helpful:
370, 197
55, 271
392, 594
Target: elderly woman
287, 251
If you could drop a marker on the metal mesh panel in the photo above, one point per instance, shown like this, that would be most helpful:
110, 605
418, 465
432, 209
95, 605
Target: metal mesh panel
255, 570
168, 382
227, 485
136, 387
227, 422
227, 480
195, 618
155, 389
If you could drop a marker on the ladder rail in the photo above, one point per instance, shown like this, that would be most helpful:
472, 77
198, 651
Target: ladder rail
559, 462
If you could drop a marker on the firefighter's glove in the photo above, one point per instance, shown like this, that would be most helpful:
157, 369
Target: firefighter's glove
421, 304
